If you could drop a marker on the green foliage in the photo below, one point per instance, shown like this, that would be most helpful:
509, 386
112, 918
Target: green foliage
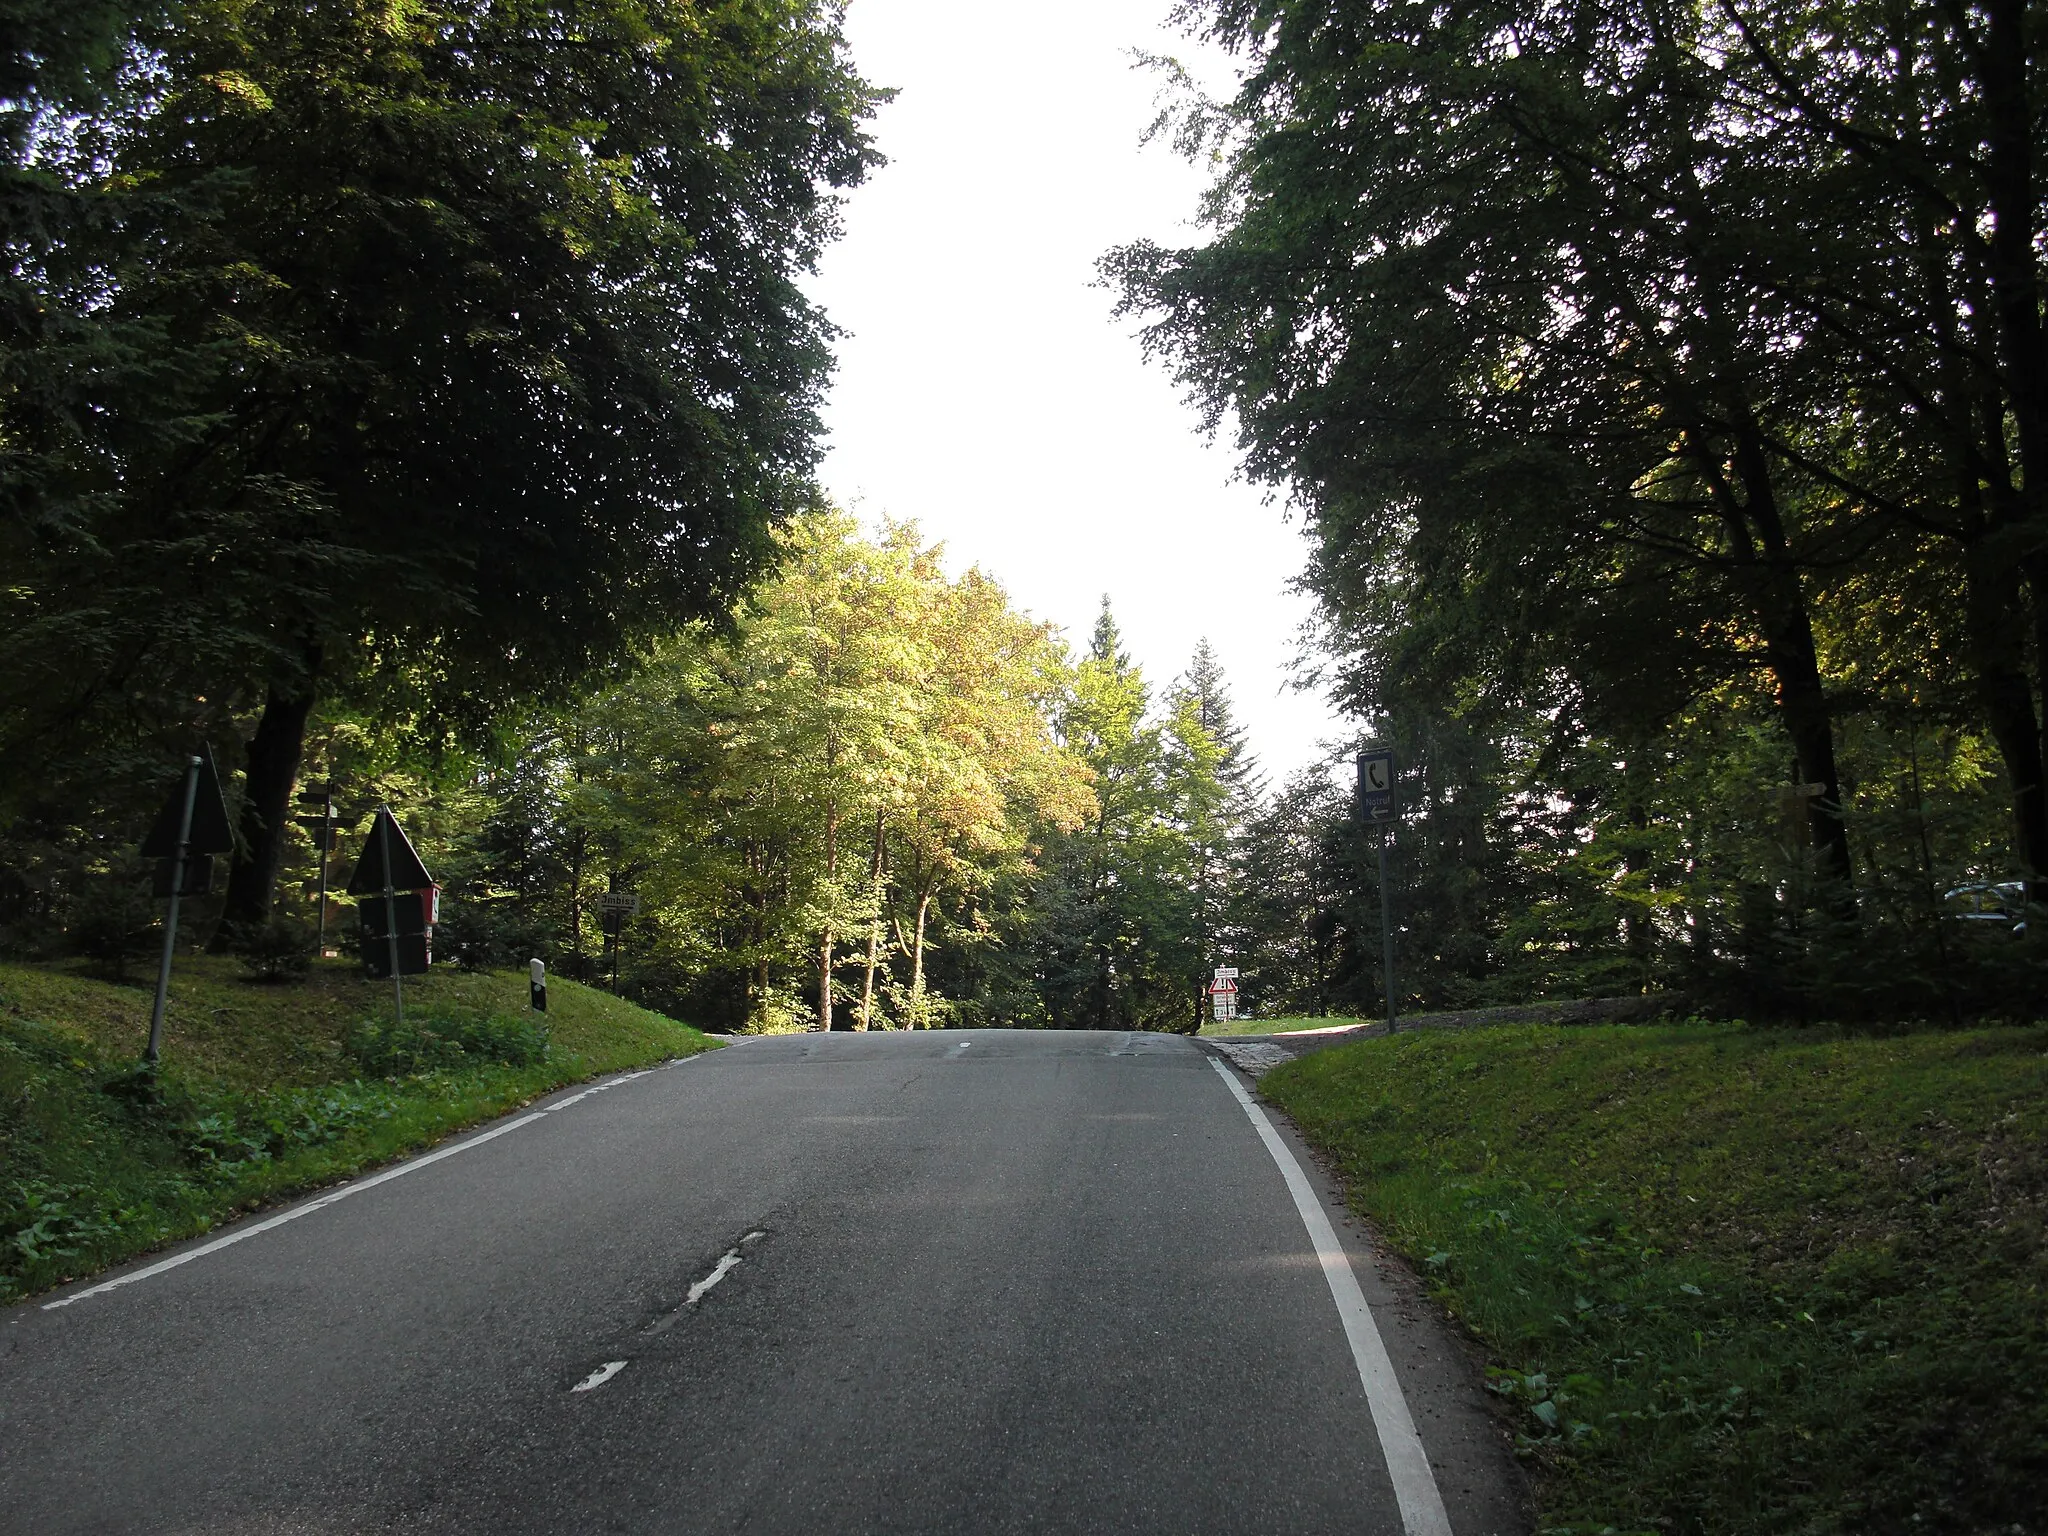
412, 360
1664, 449
491, 934
1731, 1280
443, 1037
262, 1129
277, 949
840, 784
112, 919
1112, 935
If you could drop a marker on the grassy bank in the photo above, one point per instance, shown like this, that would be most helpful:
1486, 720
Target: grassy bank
264, 1090
1732, 1281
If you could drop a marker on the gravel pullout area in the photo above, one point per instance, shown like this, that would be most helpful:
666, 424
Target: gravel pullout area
1258, 1054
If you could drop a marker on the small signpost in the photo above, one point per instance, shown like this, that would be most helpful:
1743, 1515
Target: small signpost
613, 910
1223, 993
191, 828
397, 935
537, 985
325, 832
1376, 808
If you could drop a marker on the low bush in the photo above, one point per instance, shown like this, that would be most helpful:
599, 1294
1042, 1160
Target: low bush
113, 920
275, 951
444, 1037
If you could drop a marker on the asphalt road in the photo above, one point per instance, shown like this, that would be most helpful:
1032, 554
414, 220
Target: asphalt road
984, 1281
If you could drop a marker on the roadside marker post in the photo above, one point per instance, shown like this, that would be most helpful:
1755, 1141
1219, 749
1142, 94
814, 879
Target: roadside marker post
192, 824
389, 865
537, 985
391, 916
1376, 806
1223, 993
615, 909
322, 829
163, 969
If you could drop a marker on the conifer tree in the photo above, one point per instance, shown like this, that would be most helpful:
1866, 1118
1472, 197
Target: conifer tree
1215, 790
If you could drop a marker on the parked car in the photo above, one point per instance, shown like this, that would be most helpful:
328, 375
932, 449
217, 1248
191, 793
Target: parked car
1986, 905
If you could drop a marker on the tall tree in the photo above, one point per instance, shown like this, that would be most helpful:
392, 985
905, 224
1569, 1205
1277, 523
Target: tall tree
1214, 790
507, 363
1112, 914
1468, 346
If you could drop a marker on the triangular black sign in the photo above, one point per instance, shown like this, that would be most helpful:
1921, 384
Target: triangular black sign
407, 872
211, 831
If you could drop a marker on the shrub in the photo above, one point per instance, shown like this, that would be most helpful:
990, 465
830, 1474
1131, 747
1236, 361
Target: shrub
440, 1038
489, 935
257, 1130
278, 949
113, 920
41, 1221
780, 1014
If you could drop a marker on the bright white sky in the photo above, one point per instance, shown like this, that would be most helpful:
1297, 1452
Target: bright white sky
985, 390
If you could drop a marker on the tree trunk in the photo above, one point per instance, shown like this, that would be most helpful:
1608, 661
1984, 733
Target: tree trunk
1992, 613
272, 770
576, 855
924, 902
2011, 183
1767, 575
825, 938
2015, 274
867, 986
2037, 584
1795, 663
1636, 928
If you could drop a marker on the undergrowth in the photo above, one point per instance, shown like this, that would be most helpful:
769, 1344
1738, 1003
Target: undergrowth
1731, 1280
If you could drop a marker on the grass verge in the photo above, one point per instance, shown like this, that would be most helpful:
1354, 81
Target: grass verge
1731, 1280
264, 1091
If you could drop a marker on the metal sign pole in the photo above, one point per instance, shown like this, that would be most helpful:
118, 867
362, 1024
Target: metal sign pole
326, 855
390, 909
163, 970
1376, 806
1387, 926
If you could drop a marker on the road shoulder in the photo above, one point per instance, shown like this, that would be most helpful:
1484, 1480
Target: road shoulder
1441, 1371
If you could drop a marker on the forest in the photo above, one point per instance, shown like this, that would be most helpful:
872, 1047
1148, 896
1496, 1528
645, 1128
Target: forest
1662, 387
422, 401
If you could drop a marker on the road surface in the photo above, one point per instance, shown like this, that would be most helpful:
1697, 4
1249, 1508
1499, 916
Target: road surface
978, 1281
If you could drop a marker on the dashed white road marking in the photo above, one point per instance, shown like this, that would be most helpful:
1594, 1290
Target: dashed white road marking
600, 1376
724, 1267
1415, 1490
337, 1195
726, 1264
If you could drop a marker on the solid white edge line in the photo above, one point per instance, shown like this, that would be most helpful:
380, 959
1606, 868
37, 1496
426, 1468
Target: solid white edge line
413, 1165
1415, 1490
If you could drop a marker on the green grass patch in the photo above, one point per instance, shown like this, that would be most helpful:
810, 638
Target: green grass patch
264, 1090
1731, 1280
